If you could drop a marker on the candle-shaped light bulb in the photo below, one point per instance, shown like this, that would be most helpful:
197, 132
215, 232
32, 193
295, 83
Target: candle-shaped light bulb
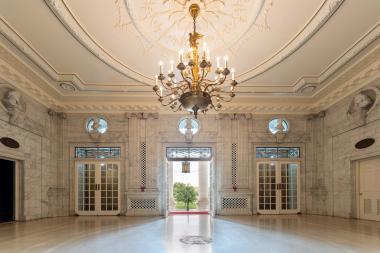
171, 66
233, 74
161, 90
180, 55
204, 46
208, 55
161, 66
156, 77
218, 62
225, 61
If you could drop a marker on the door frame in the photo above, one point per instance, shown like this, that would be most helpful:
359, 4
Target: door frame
18, 186
97, 211
355, 165
278, 163
164, 164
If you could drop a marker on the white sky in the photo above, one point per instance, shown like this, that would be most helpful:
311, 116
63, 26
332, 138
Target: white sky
187, 178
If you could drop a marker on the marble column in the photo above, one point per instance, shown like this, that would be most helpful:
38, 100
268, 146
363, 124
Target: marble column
170, 185
203, 188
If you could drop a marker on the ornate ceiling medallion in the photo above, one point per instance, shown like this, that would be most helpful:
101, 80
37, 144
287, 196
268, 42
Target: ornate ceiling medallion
67, 86
165, 23
195, 92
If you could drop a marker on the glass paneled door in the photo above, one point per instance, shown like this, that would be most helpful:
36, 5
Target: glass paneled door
97, 188
278, 187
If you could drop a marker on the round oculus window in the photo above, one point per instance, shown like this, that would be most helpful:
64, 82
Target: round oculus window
186, 124
274, 123
96, 124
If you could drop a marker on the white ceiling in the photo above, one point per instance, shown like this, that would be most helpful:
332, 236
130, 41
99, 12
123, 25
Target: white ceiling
110, 49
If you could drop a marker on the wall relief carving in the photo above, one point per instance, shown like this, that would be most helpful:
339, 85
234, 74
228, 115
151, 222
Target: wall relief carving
13, 103
363, 103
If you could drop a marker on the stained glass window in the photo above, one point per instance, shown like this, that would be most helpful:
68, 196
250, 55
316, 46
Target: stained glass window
274, 123
278, 152
182, 126
96, 124
97, 152
188, 154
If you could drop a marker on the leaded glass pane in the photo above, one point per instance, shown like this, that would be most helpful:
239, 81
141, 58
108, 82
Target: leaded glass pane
95, 152
189, 154
278, 152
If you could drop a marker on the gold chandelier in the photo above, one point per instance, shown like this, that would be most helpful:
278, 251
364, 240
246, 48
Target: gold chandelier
195, 92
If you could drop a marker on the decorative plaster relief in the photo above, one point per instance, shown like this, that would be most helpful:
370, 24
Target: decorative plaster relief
14, 105
363, 103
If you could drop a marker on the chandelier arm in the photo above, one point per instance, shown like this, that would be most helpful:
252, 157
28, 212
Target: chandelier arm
178, 108
211, 84
165, 85
185, 78
225, 99
169, 102
214, 107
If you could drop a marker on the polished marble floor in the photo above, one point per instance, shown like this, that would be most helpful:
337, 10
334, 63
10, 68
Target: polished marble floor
268, 234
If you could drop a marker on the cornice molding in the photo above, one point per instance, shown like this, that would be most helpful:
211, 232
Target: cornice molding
16, 79
352, 81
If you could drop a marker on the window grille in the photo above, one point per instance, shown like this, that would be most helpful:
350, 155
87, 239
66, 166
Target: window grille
143, 163
234, 163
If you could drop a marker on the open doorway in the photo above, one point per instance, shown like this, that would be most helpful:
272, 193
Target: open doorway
7, 190
189, 180
190, 187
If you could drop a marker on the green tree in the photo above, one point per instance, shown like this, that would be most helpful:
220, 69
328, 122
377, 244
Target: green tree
185, 193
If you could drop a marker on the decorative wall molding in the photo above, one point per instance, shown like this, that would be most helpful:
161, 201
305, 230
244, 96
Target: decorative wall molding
352, 81
234, 116
25, 83
142, 115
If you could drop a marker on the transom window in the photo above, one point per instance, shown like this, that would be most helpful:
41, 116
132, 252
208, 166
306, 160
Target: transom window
186, 123
97, 152
273, 125
278, 152
188, 154
96, 125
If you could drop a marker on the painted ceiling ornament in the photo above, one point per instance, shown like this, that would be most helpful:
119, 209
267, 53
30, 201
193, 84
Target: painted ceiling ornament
14, 105
165, 23
363, 103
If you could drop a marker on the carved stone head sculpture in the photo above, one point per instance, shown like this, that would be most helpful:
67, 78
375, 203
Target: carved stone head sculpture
14, 104
363, 103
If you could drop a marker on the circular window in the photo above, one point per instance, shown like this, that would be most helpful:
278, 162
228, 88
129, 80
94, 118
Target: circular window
188, 123
274, 126
96, 124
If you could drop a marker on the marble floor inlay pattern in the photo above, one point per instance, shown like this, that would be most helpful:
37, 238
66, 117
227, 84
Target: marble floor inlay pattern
294, 233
